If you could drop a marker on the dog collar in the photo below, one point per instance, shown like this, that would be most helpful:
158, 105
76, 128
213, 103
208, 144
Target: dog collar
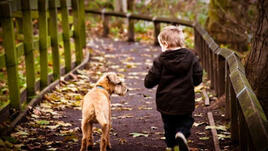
98, 86
101, 87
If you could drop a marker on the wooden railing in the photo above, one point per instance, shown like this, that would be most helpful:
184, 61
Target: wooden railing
22, 13
249, 128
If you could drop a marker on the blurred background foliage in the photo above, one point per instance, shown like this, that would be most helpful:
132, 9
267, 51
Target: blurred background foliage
229, 22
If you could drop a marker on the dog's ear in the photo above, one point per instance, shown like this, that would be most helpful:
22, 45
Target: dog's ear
113, 78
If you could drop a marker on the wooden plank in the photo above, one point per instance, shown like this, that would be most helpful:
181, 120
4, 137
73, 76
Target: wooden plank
82, 22
10, 55
131, 31
204, 92
66, 35
77, 38
252, 117
43, 42
105, 24
214, 132
234, 114
28, 47
53, 28
156, 32
221, 74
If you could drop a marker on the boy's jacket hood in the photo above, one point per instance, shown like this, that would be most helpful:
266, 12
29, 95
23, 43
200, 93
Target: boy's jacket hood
177, 61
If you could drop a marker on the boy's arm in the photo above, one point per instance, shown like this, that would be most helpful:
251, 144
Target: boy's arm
153, 76
197, 72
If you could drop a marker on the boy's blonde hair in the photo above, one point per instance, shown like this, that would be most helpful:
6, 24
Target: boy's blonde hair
171, 37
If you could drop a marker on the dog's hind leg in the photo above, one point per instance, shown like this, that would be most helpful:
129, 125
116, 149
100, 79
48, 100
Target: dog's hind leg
103, 119
104, 141
109, 129
85, 132
90, 136
108, 137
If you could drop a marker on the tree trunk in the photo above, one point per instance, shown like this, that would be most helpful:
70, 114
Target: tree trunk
120, 5
257, 62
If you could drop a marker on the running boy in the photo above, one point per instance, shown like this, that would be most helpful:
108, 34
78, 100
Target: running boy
176, 71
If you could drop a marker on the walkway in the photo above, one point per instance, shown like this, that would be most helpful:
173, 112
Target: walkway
137, 126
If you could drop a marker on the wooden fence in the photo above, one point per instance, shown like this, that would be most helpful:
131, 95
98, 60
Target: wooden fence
21, 13
249, 125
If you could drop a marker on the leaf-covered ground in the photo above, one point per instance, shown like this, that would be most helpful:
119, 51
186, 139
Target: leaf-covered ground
136, 125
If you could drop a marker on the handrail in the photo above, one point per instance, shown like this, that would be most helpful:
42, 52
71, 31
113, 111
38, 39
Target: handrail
247, 114
141, 17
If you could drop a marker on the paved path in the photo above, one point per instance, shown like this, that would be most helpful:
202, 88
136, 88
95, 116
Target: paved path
137, 126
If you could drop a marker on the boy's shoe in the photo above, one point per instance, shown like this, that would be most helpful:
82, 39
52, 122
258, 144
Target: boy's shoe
182, 142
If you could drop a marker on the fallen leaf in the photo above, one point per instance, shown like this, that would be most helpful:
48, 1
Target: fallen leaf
122, 141
138, 135
222, 136
204, 138
220, 127
163, 138
198, 124
42, 122
198, 99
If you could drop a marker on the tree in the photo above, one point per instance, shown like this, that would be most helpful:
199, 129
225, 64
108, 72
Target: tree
230, 22
120, 5
257, 61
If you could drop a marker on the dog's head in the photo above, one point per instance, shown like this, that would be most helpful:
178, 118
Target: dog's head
113, 83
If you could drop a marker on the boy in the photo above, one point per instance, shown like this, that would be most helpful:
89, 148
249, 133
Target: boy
176, 71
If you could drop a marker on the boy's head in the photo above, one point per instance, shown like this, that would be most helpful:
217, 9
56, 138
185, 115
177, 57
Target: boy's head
171, 38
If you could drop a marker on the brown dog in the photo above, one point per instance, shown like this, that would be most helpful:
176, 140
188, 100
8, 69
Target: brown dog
96, 108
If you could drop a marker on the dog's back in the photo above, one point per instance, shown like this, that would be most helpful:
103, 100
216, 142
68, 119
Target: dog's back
95, 102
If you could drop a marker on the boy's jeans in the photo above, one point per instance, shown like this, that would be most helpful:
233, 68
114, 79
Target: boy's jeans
174, 124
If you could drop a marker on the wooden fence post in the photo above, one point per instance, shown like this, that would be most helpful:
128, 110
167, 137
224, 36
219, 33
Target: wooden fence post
105, 24
210, 67
82, 21
220, 75
214, 71
228, 108
43, 46
234, 113
243, 132
156, 31
54, 38
197, 42
130, 30
77, 38
28, 47
206, 58
66, 35
10, 54
203, 48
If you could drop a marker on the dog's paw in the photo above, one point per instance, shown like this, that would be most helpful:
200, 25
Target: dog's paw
109, 146
90, 148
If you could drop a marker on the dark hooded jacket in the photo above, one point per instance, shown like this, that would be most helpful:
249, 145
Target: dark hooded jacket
176, 72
